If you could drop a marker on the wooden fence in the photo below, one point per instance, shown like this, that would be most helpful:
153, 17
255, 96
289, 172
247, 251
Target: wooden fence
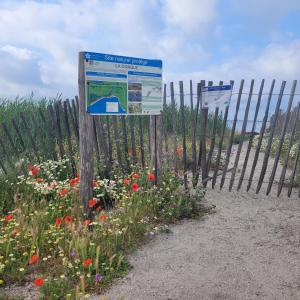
230, 147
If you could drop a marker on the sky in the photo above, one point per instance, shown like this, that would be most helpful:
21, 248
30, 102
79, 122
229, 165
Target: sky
196, 39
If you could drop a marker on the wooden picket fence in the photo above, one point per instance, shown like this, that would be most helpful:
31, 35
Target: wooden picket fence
213, 148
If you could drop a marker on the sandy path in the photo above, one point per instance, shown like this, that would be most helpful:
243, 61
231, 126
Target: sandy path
248, 249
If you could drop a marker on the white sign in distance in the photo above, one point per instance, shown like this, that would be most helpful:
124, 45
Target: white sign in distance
216, 96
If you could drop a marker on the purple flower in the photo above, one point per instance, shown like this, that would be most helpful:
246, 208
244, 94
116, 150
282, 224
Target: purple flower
122, 210
98, 277
73, 253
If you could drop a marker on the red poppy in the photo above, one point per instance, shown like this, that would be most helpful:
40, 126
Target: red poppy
103, 217
99, 208
58, 221
38, 180
87, 262
74, 181
68, 219
34, 259
135, 176
33, 170
134, 187
63, 192
8, 218
126, 181
39, 281
87, 222
150, 176
92, 202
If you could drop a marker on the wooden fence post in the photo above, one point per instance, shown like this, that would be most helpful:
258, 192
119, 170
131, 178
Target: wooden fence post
193, 134
174, 125
286, 160
251, 136
232, 134
203, 120
269, 145
244, 126
85, 143
183, 134
287, 118
156, 139
261, 135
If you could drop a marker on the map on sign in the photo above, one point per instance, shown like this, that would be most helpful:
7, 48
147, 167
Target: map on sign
216, 96
122, 85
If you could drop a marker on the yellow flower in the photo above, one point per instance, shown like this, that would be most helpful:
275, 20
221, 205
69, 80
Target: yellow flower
21, 269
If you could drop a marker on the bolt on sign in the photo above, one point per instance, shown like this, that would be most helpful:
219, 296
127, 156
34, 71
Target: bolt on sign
120, 85
216, 96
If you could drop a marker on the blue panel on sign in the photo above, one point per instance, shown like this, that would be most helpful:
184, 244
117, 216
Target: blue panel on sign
143, 74
216, 88
123, 59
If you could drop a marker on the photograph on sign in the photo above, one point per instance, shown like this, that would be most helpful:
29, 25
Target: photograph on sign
216, 96
119, 85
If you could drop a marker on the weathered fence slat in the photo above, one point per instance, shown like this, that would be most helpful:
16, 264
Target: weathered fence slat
212, 139
142, 151
103, 142
287, 118
27, 129
200, 136
214, 178
215, 174
96, 144
49, 135
132, 137
110, 149
232, 133
204, 116
149, 137
174, 125
242, 135
76, 118
285, 164
58, 127
117, 141
292, 178
12, 144
193, 134
268, 148
164, 113
39, 133
261, 135
70, 113
125, 142
183, 133
251, 135
64, 109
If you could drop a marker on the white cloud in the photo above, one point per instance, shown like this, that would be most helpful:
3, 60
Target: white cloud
190, 16
19, 53
42, 40
276, 61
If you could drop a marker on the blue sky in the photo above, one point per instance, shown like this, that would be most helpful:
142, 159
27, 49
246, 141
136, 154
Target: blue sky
196, 39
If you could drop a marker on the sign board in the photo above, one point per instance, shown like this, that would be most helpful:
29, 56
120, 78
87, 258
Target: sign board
216, 96
120, 85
